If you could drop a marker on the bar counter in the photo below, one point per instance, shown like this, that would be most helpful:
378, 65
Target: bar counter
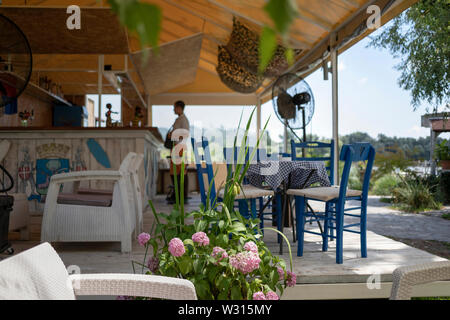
37, 152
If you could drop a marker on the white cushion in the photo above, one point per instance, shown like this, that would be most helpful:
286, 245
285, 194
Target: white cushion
249, 192
35, 274
322, 193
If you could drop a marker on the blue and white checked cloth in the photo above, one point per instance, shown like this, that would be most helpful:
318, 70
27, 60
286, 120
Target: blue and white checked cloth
274, 173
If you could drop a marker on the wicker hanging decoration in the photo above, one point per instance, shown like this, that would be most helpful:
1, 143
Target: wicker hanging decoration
234, 76
244, 47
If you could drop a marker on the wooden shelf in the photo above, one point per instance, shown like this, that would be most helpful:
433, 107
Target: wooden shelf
44, 95
40, 93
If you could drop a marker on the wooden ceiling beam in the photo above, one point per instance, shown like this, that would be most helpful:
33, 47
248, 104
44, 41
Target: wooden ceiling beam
308, 18
297, 43
351, 3
206, 35
196, 14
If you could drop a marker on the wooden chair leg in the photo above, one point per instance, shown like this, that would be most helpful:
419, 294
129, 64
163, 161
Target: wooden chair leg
363, 232
279, 212
326, 228
339, 234
300, 215
243, 208
253, 208
332, 224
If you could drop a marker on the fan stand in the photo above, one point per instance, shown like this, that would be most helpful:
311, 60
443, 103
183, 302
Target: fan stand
304, 130
286, 125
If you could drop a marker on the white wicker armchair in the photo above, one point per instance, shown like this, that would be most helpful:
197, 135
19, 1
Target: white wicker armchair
65, 221
40, 274
404, 278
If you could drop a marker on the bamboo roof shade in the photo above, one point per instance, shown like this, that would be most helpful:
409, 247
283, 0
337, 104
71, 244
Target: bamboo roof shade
321, 24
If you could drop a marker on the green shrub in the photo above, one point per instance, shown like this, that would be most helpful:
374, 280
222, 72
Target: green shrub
384, 185
442, 151
414, 195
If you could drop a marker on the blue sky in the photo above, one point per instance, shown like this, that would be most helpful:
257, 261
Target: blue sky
370, 100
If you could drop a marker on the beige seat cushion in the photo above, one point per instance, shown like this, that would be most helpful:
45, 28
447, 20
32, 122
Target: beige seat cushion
323, 193
94, 191
94, 200
249, 192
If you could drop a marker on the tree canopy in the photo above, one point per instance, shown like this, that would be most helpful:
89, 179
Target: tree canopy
420, 37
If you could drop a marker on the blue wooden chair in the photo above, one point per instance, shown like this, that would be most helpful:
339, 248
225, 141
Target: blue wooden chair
207, 170
335, 198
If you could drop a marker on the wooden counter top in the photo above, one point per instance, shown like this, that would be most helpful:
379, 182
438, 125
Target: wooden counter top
153, 130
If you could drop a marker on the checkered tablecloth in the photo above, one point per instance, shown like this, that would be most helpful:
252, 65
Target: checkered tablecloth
274, 173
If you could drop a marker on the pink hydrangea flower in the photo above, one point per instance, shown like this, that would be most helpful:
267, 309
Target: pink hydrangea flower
176, 247
291, 279
259, 296
219, 253
201, 238
280, 272
245, 262
272, 296
143, 238
251, 246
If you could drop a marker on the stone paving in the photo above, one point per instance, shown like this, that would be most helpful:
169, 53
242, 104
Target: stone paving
383, 220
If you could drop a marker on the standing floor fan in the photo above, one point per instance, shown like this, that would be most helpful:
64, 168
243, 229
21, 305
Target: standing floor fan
293, 102
15, 62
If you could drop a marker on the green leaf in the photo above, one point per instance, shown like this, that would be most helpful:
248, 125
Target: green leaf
212, 274
289, 54
236, 293
142, 18
223, 295
198, 266
238, 227
203, 290
267, 47
200, 225
282, 13
223, 239
188, 242
185, 265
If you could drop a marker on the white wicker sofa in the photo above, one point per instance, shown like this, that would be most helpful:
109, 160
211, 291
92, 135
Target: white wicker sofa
40, 274
97, 217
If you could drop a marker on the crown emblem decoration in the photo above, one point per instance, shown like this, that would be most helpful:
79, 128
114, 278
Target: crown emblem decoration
52, 150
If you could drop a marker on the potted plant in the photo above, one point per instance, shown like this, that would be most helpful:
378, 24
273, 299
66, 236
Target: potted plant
443, 154
219, 250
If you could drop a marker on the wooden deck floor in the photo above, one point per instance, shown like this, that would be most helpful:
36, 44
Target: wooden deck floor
316, 270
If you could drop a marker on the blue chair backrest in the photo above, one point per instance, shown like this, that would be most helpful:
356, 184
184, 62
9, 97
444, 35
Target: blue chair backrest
316, 145
208, 170
357, 152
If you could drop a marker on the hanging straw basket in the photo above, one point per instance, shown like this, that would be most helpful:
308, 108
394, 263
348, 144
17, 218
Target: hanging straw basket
244, 47
234, 75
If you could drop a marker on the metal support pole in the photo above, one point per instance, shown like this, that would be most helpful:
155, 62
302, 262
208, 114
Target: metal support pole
335, 109
101, 62
285, 137
149, 112
433, 137
258, 117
